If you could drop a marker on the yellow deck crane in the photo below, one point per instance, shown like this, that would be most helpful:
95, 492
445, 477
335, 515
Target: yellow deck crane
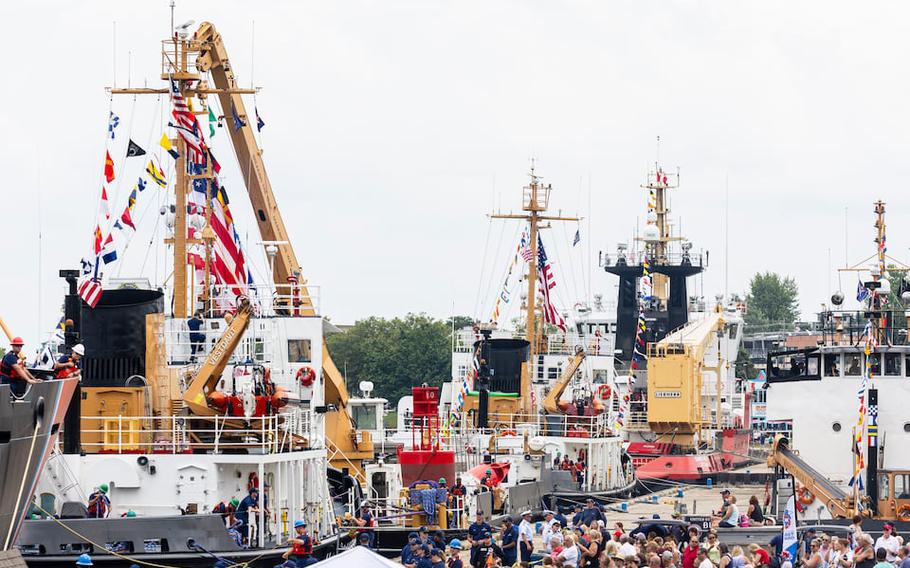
893, 503
551, 402
203, 382
347, 446
676, 365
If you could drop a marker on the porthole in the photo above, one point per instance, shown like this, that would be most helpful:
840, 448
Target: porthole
906, 426
836, 427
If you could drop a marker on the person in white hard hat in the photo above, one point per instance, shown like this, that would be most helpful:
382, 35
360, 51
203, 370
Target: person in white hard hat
70, 366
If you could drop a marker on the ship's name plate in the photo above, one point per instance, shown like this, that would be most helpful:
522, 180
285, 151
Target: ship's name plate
667, 394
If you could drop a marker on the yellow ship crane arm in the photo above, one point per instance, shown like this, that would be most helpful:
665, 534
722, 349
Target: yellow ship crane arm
214, 60
838, 502
195, 396
551, 402
345, 441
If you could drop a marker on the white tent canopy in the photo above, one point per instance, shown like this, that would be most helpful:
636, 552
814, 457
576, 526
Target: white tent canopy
359, 556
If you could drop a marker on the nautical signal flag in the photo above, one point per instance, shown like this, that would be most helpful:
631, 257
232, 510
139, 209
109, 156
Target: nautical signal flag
212, 122
166, 144
134, 150
156, 174
259, 122
113, 122
108, 167
238, 123
577, 238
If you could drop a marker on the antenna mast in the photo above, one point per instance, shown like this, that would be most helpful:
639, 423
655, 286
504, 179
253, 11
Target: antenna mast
535, 202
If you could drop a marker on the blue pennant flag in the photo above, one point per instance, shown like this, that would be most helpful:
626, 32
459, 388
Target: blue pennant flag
238, 124
259, 122
577, 238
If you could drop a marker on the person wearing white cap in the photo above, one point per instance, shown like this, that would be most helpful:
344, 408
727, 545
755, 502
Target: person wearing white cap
547, 531
525, 537
70, 366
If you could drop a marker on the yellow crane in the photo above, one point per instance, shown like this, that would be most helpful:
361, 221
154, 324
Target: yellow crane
348, 447
676, 365
195, 396
551, 402
892, 505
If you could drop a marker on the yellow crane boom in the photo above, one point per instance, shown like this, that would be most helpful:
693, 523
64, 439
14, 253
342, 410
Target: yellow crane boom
838, 502
551, 402
195, 396
349, 448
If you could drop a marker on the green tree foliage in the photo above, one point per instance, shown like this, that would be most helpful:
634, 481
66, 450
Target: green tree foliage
772, 299
396, 354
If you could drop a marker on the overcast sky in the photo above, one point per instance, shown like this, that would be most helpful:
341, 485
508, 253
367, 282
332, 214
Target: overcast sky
392, 129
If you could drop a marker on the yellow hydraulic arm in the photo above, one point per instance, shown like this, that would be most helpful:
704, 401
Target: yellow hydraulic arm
207, 377
838, 502
551, 402
213, 59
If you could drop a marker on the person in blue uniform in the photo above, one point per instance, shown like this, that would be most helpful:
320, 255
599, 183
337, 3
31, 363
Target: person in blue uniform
407, 551
509, 542
249, 504
366, 522
590, 514
13, 371
197, 336
477, 529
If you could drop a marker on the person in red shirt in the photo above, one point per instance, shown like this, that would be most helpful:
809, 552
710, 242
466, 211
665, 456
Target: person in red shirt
690, 553
760, 556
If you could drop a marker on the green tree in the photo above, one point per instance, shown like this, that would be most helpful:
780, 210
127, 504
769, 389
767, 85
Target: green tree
395, 354
772, 299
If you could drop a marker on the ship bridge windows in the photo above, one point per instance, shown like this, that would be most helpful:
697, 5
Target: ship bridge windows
893, 364
300, 351
901, 486
832, 364
794, 364
853, 364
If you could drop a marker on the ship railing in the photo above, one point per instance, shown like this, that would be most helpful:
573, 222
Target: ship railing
559, 425
399, 511
285, 432
256, 345
637, 421
557, 344
272, 300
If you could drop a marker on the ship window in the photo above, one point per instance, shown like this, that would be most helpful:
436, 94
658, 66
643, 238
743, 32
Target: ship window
299, 351
832, 364
883, 492
893, 364
852, 364
812, 366
365, 416
552, 373
901, 486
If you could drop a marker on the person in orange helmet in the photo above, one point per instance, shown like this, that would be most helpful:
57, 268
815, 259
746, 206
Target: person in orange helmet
13, 371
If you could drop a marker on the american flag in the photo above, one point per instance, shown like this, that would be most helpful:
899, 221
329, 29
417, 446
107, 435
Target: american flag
187, 125
90, 282
547, 282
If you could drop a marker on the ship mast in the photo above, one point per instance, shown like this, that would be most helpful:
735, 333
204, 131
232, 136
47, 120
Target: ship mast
178, 63
657, 246
535, 202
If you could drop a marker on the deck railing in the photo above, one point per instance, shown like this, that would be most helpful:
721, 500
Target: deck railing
288, 431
